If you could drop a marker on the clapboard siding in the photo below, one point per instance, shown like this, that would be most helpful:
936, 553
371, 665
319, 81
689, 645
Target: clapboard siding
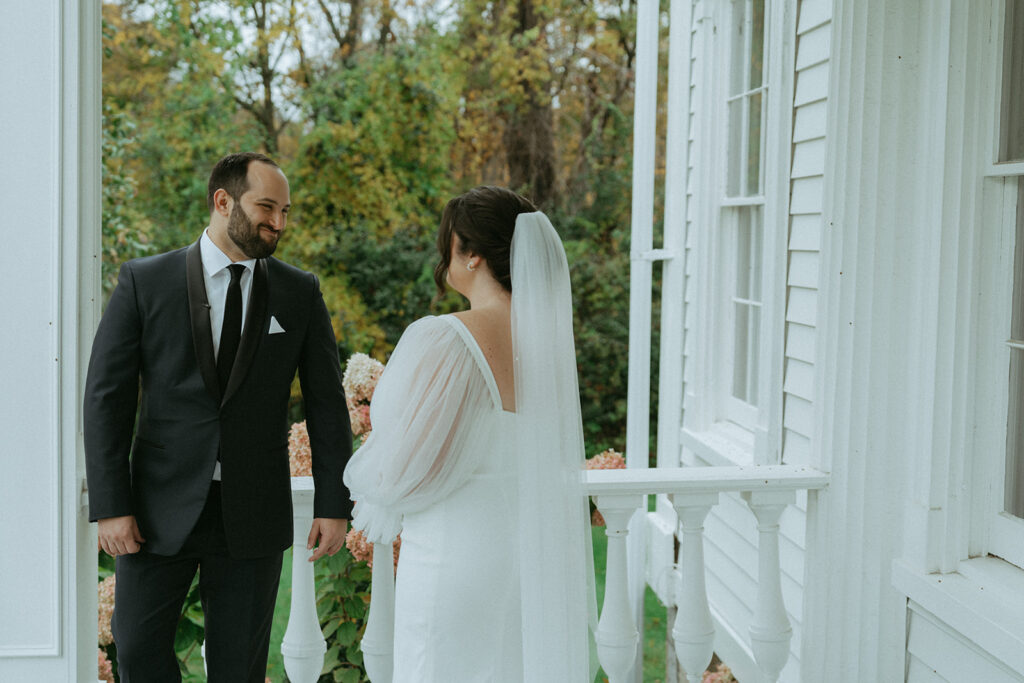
800, 343
802, 306
811, 74
938, 653
807, 187
809, 158
809, 121
731, 535
805, 233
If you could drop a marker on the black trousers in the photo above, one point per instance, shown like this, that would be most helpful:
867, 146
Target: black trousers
238, 604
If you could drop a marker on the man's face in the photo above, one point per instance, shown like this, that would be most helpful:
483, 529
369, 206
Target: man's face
259, 216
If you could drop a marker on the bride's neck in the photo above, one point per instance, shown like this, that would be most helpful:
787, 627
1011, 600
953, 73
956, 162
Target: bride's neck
488, 294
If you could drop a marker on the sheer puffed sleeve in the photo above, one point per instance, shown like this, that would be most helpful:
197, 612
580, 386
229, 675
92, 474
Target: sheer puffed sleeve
432, 414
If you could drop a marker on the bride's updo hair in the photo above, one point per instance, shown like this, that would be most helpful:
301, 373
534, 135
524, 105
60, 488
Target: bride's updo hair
484, 219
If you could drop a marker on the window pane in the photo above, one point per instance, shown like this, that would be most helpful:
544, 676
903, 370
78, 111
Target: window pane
756, 229
1011, 144
735, 147
755, 343
757, 44
738, 48
741, 344
743, 253
1014, 500
1014, 494
754, 146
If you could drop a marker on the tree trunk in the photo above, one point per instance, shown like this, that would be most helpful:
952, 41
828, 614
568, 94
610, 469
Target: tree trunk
529, 138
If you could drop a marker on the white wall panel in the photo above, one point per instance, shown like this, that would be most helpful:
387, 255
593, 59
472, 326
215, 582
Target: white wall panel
948, 654
50, 190
30, 344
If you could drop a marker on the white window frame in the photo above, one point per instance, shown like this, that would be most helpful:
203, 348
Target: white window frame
707, 430
993, 531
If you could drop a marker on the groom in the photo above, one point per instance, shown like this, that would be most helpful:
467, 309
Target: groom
204, 343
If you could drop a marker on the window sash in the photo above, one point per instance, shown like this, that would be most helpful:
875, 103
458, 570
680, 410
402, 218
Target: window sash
1011, 115
1013, 489
743, 215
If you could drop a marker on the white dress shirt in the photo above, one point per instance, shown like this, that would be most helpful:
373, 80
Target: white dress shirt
216, 277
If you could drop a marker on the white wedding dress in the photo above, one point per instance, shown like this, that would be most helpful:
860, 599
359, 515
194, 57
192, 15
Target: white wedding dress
473, 489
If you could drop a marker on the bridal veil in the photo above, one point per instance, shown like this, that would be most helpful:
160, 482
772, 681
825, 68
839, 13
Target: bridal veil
556, 560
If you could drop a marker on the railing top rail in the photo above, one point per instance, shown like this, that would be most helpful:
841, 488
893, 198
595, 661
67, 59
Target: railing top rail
704, 479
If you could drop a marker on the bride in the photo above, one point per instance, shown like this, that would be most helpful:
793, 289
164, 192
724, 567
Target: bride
476, 457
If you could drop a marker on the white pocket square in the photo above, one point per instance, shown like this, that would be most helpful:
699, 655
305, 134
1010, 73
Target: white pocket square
275, 327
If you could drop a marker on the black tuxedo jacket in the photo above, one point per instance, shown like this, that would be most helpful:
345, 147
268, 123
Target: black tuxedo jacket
153, 354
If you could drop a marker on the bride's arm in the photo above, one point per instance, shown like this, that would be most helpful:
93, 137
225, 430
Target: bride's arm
429, 426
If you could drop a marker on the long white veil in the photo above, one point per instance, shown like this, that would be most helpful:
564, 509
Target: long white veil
556, 559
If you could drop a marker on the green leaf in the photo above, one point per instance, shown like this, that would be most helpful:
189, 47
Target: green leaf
347, 633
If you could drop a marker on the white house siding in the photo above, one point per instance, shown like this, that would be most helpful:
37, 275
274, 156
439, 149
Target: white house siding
731, 535
814, 31
936, 652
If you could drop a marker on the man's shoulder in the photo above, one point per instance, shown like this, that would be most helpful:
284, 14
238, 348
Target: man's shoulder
281, 270
157, 262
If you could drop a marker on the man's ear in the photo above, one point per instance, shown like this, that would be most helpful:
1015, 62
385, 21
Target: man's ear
222, 202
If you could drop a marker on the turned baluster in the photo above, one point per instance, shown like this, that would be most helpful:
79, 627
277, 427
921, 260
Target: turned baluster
617, 635
694, 632
378, 640
770, 631
303, 647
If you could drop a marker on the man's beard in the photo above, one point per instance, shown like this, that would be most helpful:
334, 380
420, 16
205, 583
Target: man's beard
246, 235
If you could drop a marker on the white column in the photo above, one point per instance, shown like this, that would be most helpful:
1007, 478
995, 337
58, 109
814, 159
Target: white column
770, 631
303, 647
694, 631
378, 643
645, 104
617, 633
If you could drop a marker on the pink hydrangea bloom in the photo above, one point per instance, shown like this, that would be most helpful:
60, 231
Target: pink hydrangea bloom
356, 543
106, 671
359, 416
362, 550
610, 459
299, 456
105, 592
361, 375
360, 381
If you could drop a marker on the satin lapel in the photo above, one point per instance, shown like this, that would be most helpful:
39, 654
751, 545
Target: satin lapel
255, 327
199, 312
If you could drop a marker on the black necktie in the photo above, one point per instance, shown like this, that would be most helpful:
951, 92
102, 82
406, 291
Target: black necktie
231, 330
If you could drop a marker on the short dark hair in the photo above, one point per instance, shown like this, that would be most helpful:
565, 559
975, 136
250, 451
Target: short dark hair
484, 219
231, 174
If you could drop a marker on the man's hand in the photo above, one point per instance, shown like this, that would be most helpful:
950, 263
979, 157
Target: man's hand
328, 535
120, 536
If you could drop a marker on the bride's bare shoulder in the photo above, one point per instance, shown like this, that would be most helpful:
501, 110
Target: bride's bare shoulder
485, 323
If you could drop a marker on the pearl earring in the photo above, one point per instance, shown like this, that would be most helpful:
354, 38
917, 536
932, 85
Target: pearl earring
470, 267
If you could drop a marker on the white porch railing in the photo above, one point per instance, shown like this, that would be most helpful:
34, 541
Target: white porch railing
619, 494
693, 491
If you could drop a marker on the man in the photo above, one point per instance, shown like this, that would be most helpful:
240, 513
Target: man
204, 342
